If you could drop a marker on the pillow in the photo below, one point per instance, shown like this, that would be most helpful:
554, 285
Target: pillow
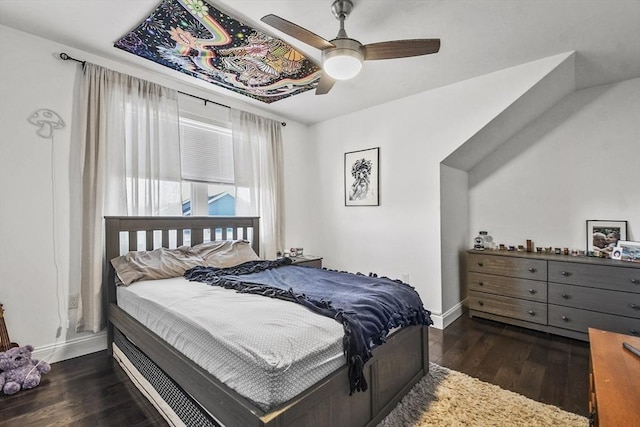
225, 253
159, 263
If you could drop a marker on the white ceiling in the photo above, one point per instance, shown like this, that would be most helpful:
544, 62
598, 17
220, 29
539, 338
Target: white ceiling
478, 37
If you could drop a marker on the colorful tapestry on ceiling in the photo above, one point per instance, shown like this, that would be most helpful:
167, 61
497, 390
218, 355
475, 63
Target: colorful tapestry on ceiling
195, 38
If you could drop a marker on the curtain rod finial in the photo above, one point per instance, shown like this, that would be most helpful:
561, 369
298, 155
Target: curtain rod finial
65, 57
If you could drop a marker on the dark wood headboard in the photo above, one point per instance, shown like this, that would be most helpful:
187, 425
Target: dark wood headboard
172, 229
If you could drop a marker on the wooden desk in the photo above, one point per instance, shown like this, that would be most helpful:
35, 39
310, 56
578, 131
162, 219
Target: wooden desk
614, 398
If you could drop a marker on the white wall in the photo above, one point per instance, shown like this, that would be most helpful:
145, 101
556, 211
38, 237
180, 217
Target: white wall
35, 277
34, 172
454, 220
579, 161
301, 189
415, 134
402, 236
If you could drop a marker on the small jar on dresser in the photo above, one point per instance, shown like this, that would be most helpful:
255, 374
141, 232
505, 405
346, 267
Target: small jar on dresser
560, 294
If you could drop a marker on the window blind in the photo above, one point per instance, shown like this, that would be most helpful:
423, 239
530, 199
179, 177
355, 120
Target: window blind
206, 152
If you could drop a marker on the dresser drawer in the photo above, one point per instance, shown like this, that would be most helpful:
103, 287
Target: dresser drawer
580, 320
516, 308
626, 279
602, 300
533, 290
508, 266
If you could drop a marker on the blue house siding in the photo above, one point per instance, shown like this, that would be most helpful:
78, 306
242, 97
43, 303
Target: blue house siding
223, 204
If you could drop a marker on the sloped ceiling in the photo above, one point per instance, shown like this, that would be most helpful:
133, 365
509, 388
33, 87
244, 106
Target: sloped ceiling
478, 37
551, 80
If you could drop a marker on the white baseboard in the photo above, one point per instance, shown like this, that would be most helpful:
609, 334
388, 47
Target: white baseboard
441, 321
72, 348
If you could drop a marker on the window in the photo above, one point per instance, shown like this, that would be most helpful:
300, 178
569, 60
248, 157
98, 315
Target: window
206, 150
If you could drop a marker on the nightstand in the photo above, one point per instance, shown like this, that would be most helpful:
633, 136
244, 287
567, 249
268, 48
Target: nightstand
307, 261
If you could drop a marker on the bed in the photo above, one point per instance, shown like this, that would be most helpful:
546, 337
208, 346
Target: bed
394, 368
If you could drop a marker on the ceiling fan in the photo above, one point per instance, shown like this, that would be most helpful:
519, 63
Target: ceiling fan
342, 57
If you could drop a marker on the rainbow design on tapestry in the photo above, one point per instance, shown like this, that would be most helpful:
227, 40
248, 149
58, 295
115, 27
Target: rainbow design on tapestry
193, 37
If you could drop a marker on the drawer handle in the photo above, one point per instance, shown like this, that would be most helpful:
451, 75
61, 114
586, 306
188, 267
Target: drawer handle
565, 318
566, 273
480, 263
532, 270
634, 332
480, 283
634, 306
635, 281
531, 312
565, 296
480, 303
532, 291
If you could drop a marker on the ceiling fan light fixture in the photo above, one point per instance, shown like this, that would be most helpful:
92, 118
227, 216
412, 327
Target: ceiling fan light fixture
342, 57
344, 61
342, 66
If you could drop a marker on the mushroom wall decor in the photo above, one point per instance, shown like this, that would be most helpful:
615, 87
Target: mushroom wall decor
47, 120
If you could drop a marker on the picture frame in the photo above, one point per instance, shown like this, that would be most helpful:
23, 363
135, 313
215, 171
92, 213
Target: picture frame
629, 251
604, 235
616, 253
362, 177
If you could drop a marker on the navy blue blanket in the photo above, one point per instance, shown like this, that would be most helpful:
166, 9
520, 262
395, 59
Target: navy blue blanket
367, 306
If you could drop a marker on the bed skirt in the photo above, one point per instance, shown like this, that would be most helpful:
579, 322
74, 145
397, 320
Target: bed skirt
174, 404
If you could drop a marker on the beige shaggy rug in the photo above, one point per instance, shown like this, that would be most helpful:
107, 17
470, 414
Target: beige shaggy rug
449, 398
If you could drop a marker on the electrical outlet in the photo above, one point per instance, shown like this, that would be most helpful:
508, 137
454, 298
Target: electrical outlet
73, 301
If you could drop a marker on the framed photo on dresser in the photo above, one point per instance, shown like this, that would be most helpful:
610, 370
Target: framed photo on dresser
629, 251
603, 236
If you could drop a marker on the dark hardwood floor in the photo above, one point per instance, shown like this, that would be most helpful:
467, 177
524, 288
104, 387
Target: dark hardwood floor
93, 390
547, 368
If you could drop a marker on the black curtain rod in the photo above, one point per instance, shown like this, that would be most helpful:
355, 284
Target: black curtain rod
66, 57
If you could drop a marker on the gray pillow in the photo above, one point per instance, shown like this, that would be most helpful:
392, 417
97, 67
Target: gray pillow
225, 253
159, 263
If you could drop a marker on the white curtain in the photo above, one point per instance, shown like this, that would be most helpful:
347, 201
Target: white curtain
125, 143
257, 153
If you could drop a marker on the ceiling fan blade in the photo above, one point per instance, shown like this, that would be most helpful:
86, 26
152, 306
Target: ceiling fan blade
325, 84
296, 31
400, 48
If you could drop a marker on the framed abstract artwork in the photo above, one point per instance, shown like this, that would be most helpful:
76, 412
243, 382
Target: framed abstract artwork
362, 177
199, 40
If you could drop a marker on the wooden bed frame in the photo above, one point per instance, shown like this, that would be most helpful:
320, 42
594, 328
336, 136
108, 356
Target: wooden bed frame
395, 367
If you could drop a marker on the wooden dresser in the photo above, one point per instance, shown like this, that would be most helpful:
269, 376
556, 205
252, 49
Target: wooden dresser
614, 380
560, 294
